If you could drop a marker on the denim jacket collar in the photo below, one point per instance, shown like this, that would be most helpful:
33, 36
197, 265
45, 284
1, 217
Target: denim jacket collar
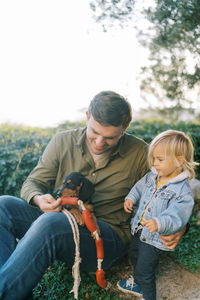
180, 177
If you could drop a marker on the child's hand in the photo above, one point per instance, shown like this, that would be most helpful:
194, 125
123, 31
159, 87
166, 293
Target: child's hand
151, 225
128, 205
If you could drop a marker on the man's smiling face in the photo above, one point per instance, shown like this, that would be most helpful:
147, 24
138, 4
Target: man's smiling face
102, 138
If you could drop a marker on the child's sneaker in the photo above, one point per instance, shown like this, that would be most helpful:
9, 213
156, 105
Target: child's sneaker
130, 287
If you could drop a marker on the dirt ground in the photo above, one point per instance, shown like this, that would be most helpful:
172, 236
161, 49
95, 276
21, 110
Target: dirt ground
173, 282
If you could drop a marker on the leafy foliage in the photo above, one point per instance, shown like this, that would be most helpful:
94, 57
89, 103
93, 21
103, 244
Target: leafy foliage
188, 250
174, 46
172, 78
21, 147
177, 23
110, 11
19, 151
148, 130
58, 282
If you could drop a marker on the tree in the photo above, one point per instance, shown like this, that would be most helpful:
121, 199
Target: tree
174, 72
107, 12
173, 39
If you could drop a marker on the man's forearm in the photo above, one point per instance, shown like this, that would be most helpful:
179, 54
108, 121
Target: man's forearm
30, 189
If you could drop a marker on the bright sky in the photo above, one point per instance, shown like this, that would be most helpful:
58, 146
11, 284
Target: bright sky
54, 59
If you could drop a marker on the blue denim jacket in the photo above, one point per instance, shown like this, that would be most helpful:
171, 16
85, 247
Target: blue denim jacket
171, 205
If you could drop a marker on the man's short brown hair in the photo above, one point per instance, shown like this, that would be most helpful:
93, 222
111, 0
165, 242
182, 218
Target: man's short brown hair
110, 108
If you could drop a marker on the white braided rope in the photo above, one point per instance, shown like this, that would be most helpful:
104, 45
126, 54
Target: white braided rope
77, 261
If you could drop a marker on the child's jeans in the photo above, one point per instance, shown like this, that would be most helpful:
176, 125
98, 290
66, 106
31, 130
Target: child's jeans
144, 258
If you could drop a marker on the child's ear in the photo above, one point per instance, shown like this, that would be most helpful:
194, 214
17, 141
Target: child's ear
180, 159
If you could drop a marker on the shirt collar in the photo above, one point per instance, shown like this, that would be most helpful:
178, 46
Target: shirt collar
119, 148
81, 141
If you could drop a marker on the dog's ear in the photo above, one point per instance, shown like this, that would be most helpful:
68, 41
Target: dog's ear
86, 190
78, 188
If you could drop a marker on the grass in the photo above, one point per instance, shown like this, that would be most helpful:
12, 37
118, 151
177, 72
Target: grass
58, 281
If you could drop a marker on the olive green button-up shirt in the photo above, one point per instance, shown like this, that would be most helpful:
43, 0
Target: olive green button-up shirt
112, 179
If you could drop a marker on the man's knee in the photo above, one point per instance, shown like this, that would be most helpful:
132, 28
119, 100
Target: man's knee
53, 231
53, 223
6, 204
7, 201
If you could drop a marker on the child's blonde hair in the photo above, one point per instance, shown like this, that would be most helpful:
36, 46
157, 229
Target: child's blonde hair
176, 143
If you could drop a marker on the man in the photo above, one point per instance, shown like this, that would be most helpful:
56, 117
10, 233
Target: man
112, 160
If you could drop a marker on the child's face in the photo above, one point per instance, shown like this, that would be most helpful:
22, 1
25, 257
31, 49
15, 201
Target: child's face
166, 166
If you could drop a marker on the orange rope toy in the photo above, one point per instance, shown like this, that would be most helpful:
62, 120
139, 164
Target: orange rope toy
92, 228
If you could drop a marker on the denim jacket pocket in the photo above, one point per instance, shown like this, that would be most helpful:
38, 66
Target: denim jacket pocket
166, 197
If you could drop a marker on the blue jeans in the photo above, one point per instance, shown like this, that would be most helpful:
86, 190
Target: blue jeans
144, 258
43, 238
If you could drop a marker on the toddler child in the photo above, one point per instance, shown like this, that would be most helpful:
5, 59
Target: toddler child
164, 202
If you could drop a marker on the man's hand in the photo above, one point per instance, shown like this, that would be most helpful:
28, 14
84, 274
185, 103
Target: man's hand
47, 203
128, 205
171, 241
151, 225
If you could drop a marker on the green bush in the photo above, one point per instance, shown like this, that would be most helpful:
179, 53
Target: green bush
21, 147
187, 252
148, 130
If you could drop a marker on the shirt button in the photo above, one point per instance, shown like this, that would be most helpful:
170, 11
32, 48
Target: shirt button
143, 239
